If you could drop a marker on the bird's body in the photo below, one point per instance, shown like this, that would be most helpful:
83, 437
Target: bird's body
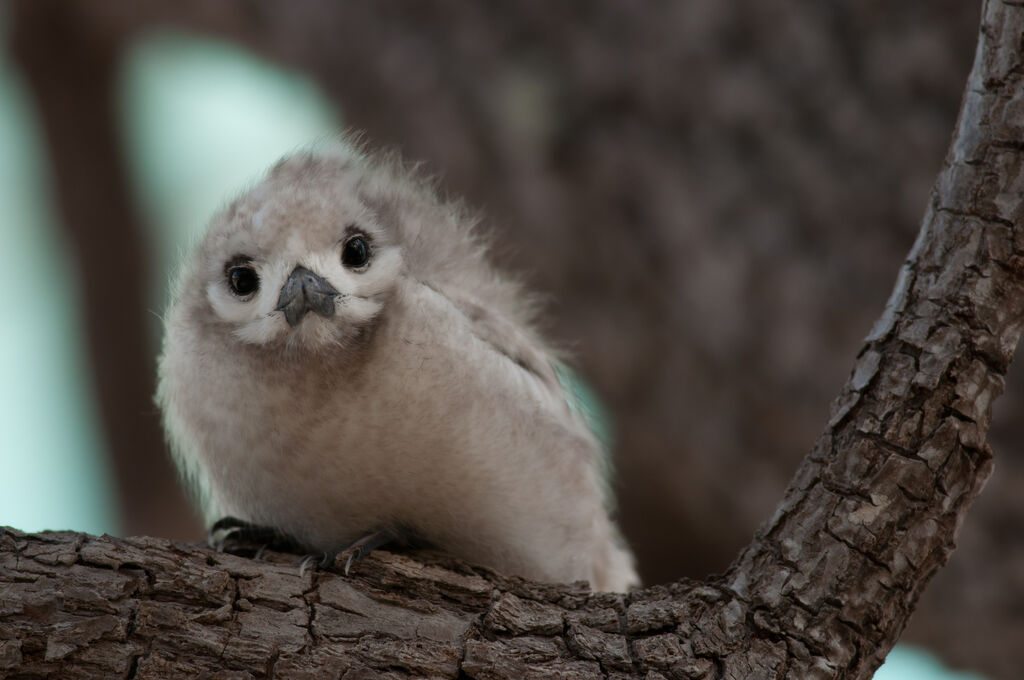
409, 391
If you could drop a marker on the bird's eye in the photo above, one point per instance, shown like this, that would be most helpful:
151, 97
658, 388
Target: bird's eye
243, 280
356, 252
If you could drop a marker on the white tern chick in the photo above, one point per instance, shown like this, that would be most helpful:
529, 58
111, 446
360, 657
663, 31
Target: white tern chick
341, 361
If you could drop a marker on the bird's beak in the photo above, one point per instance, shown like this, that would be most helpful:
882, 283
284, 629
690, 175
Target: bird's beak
305, 291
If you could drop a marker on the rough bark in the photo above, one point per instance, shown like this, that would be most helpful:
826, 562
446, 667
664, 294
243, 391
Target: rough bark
823, 590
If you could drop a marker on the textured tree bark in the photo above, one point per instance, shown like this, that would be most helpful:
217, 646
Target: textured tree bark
823, 590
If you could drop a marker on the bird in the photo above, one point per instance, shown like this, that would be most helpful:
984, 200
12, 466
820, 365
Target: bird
344, 365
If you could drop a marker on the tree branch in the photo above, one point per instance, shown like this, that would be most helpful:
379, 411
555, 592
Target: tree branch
823, 590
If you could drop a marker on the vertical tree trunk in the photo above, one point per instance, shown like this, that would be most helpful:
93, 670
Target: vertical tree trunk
73, 75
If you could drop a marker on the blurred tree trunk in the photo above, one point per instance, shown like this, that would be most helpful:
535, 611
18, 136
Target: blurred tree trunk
72, 72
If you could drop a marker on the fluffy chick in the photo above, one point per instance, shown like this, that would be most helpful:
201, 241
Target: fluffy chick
341, 358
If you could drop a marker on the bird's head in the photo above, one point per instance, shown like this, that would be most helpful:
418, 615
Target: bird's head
302, 261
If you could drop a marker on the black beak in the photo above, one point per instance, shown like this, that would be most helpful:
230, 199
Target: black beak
305, 291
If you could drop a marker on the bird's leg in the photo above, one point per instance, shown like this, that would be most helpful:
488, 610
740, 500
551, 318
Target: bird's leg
245, 536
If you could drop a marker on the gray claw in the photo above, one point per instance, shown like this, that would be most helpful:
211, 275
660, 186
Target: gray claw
217, 538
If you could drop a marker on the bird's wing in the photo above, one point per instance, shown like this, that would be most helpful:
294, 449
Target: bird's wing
508, 339
516, 344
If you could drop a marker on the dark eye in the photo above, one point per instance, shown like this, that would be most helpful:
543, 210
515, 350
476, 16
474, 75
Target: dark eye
356, 252
243, 280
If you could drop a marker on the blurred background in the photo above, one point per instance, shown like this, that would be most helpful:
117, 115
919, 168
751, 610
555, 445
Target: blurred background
714, 196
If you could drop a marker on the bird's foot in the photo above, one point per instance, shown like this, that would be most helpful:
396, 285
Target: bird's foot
353, 553
318, 561
362, 547
237, 536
